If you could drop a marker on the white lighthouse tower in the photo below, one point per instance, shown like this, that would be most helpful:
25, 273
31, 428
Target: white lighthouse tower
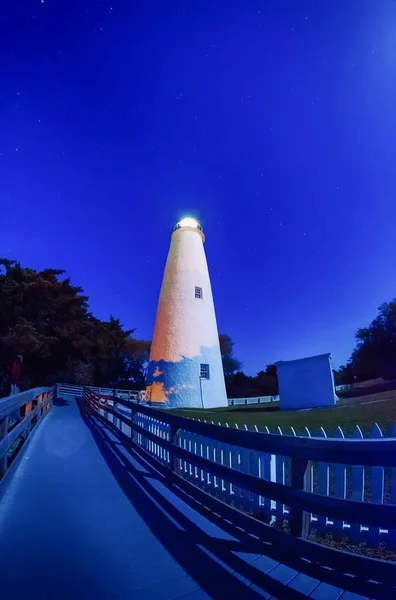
185, 368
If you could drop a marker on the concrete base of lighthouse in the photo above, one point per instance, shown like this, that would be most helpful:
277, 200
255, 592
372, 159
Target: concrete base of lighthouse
191, 390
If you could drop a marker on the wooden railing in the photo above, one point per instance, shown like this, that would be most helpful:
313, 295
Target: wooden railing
76, 391
227, 461
206, 461
18, 416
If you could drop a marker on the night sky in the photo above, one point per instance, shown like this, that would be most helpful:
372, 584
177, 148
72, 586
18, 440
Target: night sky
273, 122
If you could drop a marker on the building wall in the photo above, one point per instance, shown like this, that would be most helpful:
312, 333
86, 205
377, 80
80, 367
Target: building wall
185, 332
306, 383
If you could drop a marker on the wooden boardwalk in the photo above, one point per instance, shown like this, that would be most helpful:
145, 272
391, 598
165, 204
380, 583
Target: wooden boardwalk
82, 517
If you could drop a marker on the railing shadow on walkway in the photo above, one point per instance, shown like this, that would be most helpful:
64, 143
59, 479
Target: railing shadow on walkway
221, 567
184, 540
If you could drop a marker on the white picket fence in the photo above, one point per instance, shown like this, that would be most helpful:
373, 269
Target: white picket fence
372, 484
77, 390
276, 398
255, 400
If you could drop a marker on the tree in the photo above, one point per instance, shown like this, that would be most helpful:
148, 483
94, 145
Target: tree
239, 385
267, 384
375, 353
136, 354
272, 371
230, 363
44, 318
344, 375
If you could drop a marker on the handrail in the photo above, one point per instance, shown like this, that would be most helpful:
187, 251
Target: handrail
15, 422
161, 447
301, 451
77, 390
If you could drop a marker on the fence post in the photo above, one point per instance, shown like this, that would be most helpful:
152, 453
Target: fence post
39, 408
174, 461
299, 519
3, 433
27, 411
133, 420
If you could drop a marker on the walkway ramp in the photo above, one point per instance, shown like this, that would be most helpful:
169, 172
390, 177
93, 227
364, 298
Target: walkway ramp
82, 518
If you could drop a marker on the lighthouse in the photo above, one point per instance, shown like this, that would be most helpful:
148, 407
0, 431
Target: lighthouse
185, 368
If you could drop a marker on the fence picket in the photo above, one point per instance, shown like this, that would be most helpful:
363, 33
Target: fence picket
251, 466
190, 448
267, 471
227, 460
220, 492
205, 454
322, 485
310, 472
209, 456
280, 478
307, 433
236, 464
377, 489
215, 457
339, 488
357, 489
245, 496
194, 446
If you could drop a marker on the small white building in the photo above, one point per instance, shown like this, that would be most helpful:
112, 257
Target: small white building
306, 383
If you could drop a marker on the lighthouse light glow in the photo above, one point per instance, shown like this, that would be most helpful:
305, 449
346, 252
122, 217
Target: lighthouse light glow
188, 222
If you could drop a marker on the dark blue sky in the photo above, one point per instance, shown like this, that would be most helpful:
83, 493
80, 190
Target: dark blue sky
273, 122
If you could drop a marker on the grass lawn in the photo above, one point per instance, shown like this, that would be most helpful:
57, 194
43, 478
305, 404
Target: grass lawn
363, 410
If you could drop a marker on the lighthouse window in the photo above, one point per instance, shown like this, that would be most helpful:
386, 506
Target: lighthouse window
204, 372
198, 292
